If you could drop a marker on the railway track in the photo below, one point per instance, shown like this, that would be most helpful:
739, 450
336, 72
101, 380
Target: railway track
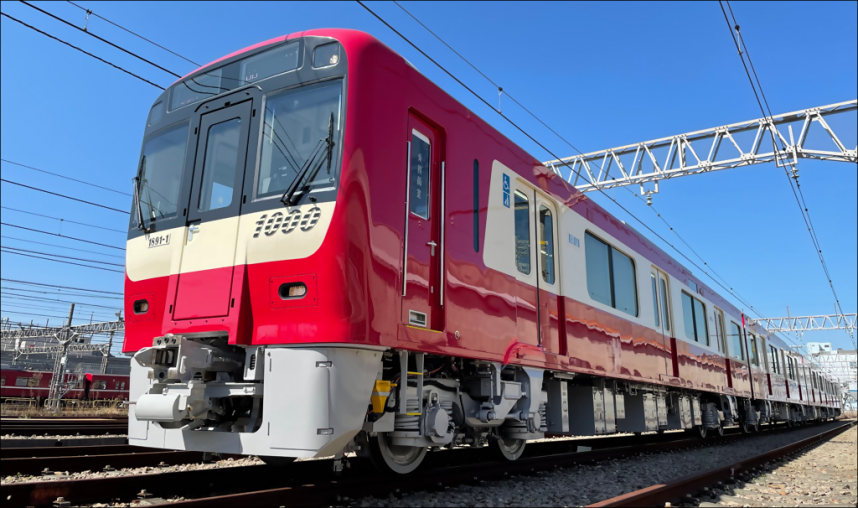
310, 482
62, 427
688, 488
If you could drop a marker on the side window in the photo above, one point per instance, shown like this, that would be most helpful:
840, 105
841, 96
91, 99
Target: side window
735, 341
21, 381
546, 244
476, 205
755, 360
694, 319
654, 298
610, 276
522, 233
421, 151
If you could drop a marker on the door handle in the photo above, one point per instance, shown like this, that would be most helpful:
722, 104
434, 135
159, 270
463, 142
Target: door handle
191, 230
432, 245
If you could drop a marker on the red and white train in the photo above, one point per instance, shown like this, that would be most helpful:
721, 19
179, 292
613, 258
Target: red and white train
329, 253
29, 384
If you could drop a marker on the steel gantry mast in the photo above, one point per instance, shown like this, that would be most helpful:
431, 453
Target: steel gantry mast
675, 156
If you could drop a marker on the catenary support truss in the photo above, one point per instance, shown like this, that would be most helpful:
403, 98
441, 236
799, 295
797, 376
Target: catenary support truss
731, 146
808, 323
28, 333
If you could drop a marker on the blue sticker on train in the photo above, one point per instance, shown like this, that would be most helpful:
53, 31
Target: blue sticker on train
506, 191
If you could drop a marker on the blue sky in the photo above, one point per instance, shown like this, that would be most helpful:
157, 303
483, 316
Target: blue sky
600, 74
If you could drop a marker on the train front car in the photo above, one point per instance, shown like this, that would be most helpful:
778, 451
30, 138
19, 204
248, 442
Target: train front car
237, 247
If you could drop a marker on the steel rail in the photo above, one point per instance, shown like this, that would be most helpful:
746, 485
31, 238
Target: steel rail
658, 495
309, 482
64, 430
37, 465
325, 493
69, 451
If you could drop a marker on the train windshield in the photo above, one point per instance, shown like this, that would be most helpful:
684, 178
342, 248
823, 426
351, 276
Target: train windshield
160, 174
295, 123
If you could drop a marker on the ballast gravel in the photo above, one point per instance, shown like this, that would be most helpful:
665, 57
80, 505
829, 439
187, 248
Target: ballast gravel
824, 475
61, 436
585, 484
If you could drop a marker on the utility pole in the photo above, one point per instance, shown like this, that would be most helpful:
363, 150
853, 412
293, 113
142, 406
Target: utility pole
65, 337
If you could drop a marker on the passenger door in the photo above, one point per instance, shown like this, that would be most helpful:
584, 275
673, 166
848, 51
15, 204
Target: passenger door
548, 276
661, 313
422, 276
213, 208
526, 292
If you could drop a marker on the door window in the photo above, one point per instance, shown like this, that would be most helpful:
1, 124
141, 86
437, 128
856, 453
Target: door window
654, 299
719, 331
421, 153
546, 244
773, 354
755, 360
522, 233
665, 304
736, 348
220, 165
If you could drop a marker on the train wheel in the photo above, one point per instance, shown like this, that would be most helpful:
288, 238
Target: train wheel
747, 428
277, 461
720, 429
700, 430
790, 424
510, 449
388, 457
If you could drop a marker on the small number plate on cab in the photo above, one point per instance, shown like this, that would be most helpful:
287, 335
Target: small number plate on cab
158, 241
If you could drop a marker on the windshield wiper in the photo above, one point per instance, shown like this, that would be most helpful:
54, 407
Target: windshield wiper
137, 208
304, 176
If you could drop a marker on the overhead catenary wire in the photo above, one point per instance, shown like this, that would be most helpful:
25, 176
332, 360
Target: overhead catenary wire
64, 196
28, 251
63, 220
89, 11
81, 50
34, 304
58, 293
66, 177
44, 299
56, 286
659, 215
61, 261
534, 140
802, 204
61, 246
60, 236
496, 110
120, 48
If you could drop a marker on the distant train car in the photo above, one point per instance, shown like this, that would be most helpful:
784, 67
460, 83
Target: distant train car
328, 253
17, 383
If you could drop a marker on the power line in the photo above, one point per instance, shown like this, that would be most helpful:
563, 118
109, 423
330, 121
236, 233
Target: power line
45, 300
82, 51
135, 55
65, 262
89, 11
61, 246
61, 236
802, 204
26, 305
9, 288
64, 196
555, 156
27, 251
63, 220
66, 177
540, 144
30, 283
